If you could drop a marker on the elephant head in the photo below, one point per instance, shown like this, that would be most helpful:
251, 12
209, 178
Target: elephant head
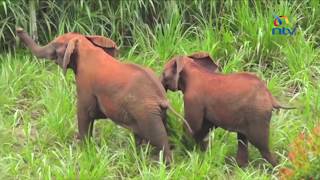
172, 73
57, 49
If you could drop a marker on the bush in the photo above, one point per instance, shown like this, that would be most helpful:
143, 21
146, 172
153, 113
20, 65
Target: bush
304, 157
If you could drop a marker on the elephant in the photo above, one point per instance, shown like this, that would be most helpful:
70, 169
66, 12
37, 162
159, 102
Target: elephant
130, 95
238, 102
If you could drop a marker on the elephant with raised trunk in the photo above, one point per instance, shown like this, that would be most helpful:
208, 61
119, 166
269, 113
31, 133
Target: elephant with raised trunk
130, 95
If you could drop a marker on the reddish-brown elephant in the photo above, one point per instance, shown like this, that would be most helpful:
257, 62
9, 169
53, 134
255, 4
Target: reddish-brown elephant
128, 94
238, 102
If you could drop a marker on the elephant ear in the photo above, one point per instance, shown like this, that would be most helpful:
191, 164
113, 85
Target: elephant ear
177, 68
204, 60
106, 44
71, 47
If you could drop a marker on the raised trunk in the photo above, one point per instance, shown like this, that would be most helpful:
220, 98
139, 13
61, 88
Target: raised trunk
39, 51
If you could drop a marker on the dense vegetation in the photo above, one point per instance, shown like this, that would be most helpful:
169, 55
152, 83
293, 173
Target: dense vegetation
37, 103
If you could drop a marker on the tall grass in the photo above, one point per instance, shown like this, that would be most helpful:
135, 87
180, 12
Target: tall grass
37, 112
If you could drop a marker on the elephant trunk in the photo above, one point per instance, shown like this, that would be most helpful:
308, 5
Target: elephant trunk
39, 51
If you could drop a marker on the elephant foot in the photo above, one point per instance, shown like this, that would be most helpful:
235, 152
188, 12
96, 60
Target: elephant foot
241, 162
242, 159
78, 138
139, 141
204, 143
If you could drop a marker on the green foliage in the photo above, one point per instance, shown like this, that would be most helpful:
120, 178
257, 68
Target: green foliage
37, 112
304, 156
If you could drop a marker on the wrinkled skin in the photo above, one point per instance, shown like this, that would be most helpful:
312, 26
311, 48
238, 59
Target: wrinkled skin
131, 96
238, 102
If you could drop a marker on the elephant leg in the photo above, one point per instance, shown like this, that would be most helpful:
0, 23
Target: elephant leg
261, 142
194, 114
85, 121
259, 137
91, 125
139, 140
200, 136
85, 125
242, 153
153, 130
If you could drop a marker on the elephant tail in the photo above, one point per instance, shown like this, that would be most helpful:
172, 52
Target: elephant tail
166, 105
277, 105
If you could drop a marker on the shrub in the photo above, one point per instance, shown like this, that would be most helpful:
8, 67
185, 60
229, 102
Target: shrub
304, 157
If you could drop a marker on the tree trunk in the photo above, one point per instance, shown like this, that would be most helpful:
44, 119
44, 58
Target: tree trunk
33, 20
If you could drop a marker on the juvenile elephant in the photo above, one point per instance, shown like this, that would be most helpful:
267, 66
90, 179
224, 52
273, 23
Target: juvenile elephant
130, 95
238, 102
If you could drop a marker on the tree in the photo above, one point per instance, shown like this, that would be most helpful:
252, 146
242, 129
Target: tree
33, 20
